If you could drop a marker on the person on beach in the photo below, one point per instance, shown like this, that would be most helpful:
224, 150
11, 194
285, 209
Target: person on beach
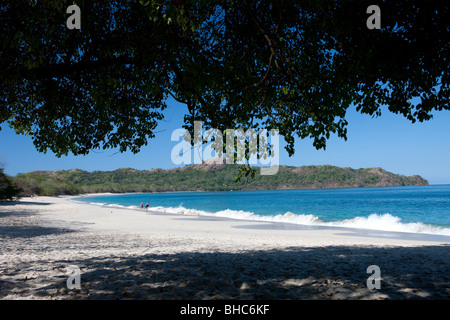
146, 207
142, 206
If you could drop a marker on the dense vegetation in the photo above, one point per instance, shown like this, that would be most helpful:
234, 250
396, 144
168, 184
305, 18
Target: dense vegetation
205, 177
8, 191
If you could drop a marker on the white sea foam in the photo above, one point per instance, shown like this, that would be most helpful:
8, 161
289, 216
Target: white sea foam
384, 222
388, 222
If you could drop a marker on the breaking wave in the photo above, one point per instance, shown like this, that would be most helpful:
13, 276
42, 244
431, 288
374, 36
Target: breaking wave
384, 222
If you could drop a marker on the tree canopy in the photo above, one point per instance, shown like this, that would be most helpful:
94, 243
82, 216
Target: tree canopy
292, 65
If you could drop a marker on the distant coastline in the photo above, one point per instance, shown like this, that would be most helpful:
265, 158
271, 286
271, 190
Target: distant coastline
205, 177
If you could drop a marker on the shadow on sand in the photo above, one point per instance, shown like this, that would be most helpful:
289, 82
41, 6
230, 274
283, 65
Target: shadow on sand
338, 272
29, 231
23, 203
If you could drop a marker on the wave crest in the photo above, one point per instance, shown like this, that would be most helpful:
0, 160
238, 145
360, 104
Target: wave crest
384, 222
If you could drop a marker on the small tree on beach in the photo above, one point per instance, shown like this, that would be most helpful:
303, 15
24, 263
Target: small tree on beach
8, 191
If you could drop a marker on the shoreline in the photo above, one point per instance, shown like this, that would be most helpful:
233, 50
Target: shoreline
278, 224
200, 191
130, 254
280, 189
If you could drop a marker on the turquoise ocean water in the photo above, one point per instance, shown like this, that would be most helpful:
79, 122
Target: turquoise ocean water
421, 209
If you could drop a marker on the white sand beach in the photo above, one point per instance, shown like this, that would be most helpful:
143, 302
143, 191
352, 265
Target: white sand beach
131, 254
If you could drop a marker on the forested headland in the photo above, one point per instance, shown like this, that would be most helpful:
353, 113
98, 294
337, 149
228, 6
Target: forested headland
204, 177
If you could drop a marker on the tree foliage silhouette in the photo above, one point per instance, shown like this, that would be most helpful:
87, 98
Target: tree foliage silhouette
292, 65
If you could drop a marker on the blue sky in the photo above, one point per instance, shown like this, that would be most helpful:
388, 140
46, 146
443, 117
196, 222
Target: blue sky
390, 142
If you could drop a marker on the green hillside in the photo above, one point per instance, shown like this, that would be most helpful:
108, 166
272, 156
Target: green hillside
205, 177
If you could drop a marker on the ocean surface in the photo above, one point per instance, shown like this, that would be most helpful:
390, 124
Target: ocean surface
419, 209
